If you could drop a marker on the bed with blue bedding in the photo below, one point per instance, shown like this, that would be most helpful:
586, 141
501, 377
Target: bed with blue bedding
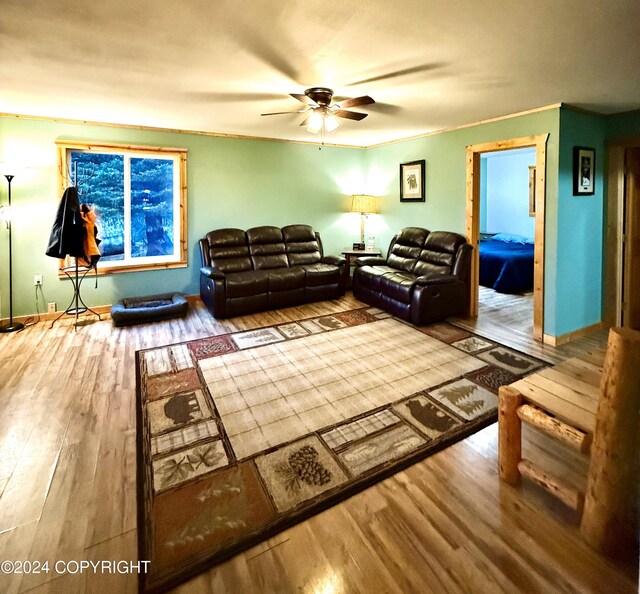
506, 263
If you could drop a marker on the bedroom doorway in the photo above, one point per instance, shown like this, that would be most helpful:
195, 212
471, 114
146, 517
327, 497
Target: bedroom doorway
536, 206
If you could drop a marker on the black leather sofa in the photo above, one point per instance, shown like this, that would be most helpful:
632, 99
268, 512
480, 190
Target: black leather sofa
423, 279
267, 268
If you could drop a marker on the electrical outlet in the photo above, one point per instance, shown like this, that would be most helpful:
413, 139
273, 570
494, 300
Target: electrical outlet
37, 279
51, 307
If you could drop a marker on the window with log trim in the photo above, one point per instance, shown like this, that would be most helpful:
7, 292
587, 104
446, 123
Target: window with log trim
139, 196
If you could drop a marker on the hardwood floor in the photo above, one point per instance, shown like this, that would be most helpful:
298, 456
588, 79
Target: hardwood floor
509, 320
67, 488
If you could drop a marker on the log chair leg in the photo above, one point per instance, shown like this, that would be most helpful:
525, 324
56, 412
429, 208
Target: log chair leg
509, 434
610, 518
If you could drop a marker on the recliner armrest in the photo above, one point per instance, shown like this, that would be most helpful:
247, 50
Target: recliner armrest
211, 272
335, 260
371, 261
437, 279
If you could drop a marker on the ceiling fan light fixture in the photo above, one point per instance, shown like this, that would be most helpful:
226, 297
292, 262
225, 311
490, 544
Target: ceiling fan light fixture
330, 123
316, 121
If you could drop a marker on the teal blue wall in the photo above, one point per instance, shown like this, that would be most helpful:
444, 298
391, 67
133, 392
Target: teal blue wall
231, 182
580, 228
623, 125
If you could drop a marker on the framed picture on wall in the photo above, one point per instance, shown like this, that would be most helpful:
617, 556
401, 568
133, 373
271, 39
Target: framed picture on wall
412, 182
584, 170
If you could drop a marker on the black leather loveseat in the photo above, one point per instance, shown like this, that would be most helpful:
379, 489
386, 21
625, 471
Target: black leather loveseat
266, 268
423, 279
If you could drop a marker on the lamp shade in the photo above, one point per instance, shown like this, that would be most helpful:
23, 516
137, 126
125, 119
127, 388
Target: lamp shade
363, 203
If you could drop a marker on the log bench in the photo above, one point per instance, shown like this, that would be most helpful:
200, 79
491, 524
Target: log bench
591, 404
561, 401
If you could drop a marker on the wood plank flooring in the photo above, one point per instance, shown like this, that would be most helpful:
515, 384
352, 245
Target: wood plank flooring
447, 524
509, 320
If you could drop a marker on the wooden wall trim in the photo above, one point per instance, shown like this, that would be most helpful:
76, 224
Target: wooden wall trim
472, 226
103, 310
569, 336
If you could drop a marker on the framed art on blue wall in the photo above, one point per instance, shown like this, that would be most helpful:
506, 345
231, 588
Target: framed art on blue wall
412, 181
584, 170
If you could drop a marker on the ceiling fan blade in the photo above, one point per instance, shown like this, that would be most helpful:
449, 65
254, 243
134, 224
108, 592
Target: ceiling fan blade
350, 115
305, 122
401, 72
364, 100
304, 99
282, 112
222, 97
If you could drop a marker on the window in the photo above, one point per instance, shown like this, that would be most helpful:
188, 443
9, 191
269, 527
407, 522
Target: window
139, 196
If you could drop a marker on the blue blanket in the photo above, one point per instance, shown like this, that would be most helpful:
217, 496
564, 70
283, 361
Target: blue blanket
506, 267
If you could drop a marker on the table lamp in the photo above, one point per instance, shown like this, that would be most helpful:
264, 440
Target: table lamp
364, 204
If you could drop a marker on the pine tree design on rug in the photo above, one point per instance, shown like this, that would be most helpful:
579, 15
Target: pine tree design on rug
462, 397
465, 398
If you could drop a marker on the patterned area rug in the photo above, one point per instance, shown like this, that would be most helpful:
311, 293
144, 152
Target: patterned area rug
242, 435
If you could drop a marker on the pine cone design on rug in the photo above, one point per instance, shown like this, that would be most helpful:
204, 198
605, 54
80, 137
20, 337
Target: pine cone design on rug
303, 466
305, 463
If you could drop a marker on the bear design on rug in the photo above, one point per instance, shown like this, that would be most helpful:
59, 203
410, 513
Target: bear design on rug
180, 407
424, 413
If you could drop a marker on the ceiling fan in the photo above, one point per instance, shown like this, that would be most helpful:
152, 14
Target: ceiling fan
321, 114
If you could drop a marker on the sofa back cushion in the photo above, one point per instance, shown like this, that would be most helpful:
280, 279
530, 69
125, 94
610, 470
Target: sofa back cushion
439, 253
228, 250
406, 248
301, 244
266, 247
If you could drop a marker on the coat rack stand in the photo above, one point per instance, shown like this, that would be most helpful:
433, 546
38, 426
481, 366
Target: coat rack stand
75, 308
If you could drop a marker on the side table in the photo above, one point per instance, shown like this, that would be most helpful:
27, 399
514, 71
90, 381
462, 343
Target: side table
351, 255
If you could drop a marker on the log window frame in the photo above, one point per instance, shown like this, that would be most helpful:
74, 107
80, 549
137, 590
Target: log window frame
64, 149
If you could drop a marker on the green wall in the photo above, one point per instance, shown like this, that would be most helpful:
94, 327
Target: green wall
444, 208
231, 183
243, 183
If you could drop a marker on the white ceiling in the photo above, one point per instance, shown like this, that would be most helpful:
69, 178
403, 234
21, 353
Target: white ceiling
215, 65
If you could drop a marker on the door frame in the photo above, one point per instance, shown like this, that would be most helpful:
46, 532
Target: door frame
615, 244
474, 151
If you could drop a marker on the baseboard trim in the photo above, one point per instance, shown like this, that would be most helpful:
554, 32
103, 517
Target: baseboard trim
569, 336
103, 310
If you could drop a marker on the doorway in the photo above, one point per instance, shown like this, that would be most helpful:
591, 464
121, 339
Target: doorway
474, 156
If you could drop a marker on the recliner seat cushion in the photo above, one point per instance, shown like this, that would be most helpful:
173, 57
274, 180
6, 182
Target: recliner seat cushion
286, 279
369, 276
244, 284
397, 285
321, 274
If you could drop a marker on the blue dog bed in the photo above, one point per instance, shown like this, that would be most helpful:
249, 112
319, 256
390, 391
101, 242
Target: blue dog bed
138, 310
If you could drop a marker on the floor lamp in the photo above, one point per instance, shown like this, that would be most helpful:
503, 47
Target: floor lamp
11, 326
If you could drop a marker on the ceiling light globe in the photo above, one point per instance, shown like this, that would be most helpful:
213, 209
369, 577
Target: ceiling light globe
315, 122
330, 123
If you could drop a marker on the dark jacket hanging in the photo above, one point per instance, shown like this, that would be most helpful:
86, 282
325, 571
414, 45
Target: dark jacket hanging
68, 230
